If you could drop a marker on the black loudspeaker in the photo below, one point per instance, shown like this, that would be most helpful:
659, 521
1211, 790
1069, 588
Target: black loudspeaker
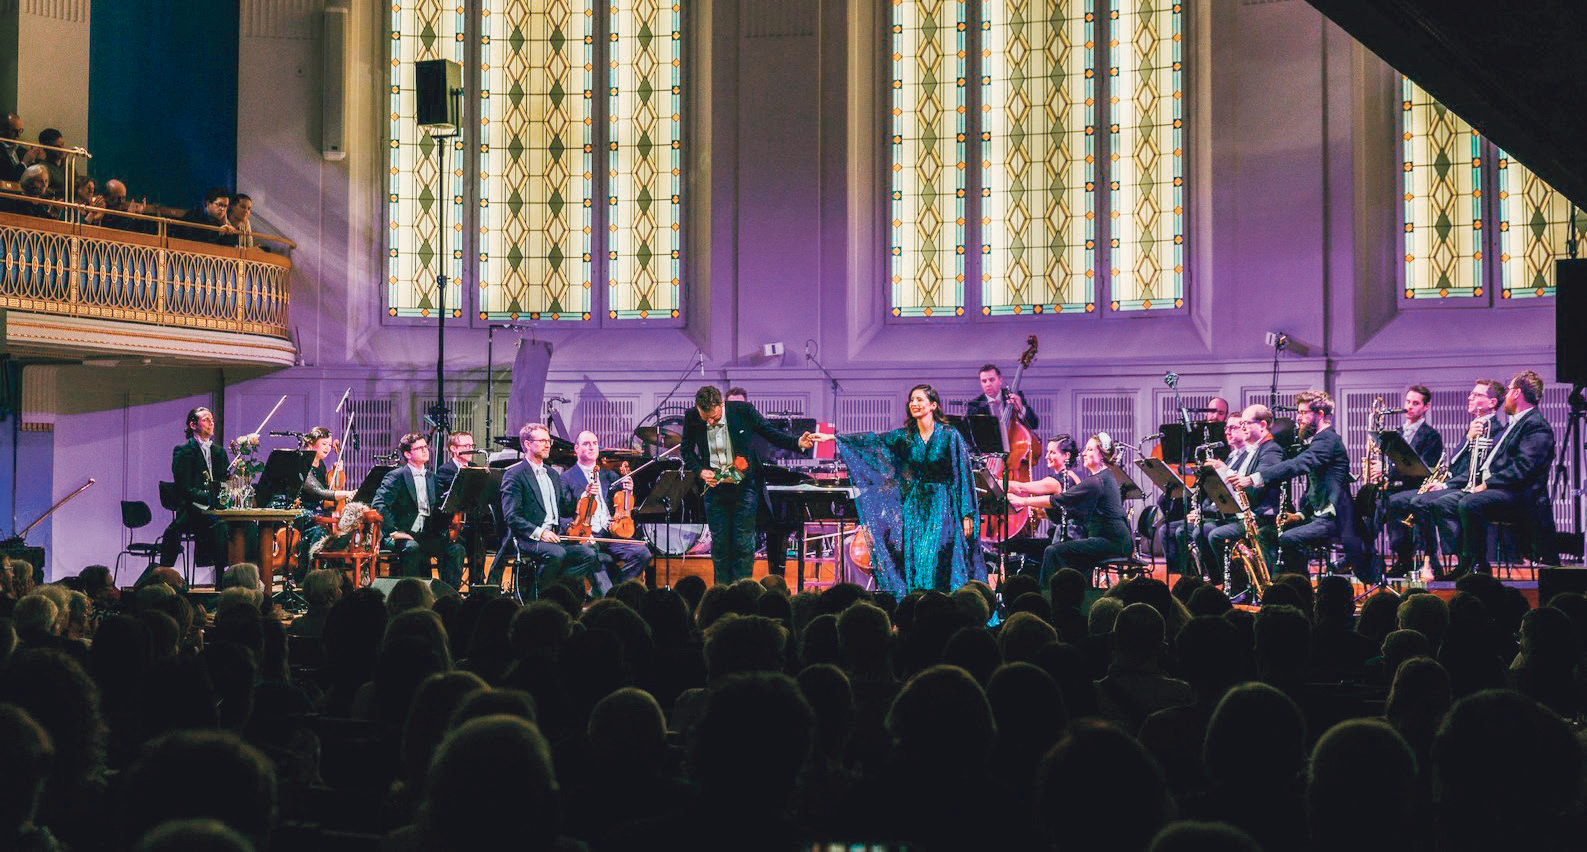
1570, 309
1552, 581
384, 585
437, 86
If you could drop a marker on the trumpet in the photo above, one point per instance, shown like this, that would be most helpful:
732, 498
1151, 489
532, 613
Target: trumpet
1480, 446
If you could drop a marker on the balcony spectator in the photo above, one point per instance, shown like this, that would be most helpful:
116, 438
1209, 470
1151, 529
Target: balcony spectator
11, 156
116, 199
55, 161
85, 195
35, 184
240, 215
213, 213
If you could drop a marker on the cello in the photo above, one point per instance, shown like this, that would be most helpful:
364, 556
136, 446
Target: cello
1015, 466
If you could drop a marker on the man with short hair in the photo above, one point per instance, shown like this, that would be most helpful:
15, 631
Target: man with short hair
588, 479
11, 152
198, 468
35, 183
1512, 482
52, 160
537, 507
212, 213
461, 453
994, 396
239, 214
117, 200
717, 444
1429, 447
408, 503
1440, 503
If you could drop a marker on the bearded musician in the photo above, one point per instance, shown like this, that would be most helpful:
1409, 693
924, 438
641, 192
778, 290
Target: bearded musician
1437, 508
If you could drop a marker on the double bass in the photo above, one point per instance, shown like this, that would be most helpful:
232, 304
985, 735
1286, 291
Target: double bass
1017, 462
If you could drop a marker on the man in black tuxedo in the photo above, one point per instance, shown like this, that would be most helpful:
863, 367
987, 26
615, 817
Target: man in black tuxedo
408, 502
1439, 506
1257, 453
717, 443
536, 508
1429, 446
1327, 503
993, 396
629, 558
1513, 480
460, 453
198, 468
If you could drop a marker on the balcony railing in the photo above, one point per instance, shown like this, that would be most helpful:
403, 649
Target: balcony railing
73, 269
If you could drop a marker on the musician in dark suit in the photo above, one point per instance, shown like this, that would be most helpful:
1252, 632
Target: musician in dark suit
993, 395
199, 468
408, 502
460, 453
1439, 506
1327, 505
1429, 447
628, 559
537, 507
1513, 481
1251, 449
717, 442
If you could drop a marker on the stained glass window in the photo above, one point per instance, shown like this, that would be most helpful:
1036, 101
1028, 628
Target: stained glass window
1441, 168
926, 135
1038, 91
645, 162
420, 30
1534, 225
1147, 159
537, 159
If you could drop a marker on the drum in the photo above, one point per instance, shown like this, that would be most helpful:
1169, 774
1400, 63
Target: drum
675, 539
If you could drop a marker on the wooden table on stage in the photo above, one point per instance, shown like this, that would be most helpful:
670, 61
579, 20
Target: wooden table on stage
274, 554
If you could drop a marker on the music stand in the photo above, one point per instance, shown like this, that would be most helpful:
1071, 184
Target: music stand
467, 490
371, 483
1179, 448
982, 432
283, 476
1128, 490
1406, 464
1218, 492
1406, 461
665, 501
1162, 476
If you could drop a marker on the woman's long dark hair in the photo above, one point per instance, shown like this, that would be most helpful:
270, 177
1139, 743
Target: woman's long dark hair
931, 395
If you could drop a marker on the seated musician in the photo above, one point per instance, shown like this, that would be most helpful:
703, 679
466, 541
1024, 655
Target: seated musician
1327, 505
409, 503
460, 453
588, 479
1258, 452
317, 497
994, 396
1512, 483
1204, 518
198, 467
1096, 503
1429, 447
1438, 506
536, 508
1060, 459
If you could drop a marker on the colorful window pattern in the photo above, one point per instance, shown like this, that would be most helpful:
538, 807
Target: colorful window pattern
1038, 198
420, 30
1147, 159
1534, 225
1442, 173
645, 161
537, 160
926, 136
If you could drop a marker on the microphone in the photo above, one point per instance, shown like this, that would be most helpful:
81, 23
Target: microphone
473, 452
1392, 411
1171, 378
557, 398
807, 351
285, 433
1215, 445
702, 364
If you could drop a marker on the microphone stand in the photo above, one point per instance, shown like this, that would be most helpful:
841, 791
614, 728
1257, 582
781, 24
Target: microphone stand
697, 360
831, 380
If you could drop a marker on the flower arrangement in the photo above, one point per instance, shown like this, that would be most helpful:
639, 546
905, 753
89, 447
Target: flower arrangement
733, 472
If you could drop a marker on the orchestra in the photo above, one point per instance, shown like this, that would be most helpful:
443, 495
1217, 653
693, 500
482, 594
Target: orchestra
1298, 500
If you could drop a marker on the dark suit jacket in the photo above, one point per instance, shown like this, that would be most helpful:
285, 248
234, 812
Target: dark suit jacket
1460, 462
1522, 460
1327, 466
1428, 444
193, 482
1264, 500
521, 506
743, 423
397, 500
444, 474
573, 480
981, 405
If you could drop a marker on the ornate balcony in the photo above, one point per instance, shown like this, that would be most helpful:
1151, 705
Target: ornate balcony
76, 291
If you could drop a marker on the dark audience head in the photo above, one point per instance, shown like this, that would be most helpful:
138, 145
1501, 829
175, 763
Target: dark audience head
1067, 588
1028, 709
692, 588
1418, 699
409, 593
1019, 584
1336, 602
1347, 753
1548, 641
974, 650
194, 835
1378, 616
494, 702
1208, 600
1209, 654
936, 700
775, 584
1070, 670
831, 698
1033, 603
1302, 585
1283, 642
1401, 645
627, 731
216, 200
971, 606
667, 613
1427, 614
744, 643
1138, 635
1152, 591
434, 702
739, 711
1185, 586
539, 628
1283, 594
1507, 773
775, 606
1197, 836
1078, 801
1103, 615
865, 639
1256, 740
841, 596
638, 646
52, 688
518, 809
238, 789
27, 754
818, 642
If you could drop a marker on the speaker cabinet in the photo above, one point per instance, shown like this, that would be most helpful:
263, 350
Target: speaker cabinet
1570, 309
333, 86
438, 86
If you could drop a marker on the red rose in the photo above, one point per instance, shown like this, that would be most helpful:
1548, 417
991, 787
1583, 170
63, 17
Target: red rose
740, 463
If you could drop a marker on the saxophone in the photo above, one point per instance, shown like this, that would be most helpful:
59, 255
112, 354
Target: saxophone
1248, 550
1480, 446
1438, 477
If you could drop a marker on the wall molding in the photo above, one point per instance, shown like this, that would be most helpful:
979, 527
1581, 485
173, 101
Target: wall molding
283, 19
71, 11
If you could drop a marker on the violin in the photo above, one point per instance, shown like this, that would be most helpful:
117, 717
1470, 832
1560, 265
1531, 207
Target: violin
622, 524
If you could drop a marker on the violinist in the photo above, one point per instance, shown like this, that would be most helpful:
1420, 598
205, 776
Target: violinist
317, 496
460, 453
994, 396
604, 491
469, 526
536, 508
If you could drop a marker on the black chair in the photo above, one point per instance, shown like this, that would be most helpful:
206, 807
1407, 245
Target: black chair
171, 499
135, 515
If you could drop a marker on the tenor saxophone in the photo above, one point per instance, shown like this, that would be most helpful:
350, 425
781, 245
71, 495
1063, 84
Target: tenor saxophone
1438, 477
1248, 549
